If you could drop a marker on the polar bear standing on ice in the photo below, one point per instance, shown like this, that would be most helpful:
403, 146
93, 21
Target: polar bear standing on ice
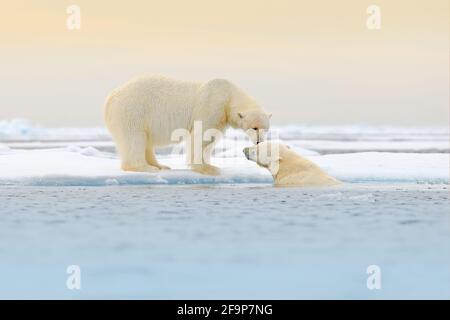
143, 114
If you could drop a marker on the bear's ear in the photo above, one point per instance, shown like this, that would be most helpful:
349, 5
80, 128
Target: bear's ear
241, 115
269, 115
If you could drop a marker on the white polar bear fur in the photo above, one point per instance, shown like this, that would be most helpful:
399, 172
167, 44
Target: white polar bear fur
287, 167
143, 113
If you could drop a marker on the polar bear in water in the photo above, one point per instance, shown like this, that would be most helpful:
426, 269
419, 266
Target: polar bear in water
143, 114
287, 167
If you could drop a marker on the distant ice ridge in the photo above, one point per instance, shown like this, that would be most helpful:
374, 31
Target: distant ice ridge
310, 140
294, 131
24, 130
77, 166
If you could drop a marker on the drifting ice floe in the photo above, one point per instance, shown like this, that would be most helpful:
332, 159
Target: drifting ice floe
33, 155
90, 167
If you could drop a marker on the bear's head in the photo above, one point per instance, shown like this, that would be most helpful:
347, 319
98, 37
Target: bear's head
267, 154
242, 111
255, 123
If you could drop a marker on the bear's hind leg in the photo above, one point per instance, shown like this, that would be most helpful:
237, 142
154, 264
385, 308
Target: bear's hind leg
132, 153
150, 156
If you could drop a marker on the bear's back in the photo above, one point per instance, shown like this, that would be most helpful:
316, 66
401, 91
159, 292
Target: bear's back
157, 88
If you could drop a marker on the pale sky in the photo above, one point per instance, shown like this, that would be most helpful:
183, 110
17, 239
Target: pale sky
313, 62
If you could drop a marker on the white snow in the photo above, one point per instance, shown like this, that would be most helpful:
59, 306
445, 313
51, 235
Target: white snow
389, 167
88, 166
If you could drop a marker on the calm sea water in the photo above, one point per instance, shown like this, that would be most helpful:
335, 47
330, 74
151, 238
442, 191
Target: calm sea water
246, 241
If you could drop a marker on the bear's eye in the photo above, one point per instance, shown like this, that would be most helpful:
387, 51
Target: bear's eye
255, 129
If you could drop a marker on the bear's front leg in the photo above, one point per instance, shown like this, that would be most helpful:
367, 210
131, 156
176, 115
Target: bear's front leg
205, 168
199, 159
151, 159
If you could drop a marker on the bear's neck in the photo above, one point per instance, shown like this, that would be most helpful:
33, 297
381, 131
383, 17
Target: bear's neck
290, 166
231, 108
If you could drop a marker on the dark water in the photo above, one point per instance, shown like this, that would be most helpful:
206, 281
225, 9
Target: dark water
225, 241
